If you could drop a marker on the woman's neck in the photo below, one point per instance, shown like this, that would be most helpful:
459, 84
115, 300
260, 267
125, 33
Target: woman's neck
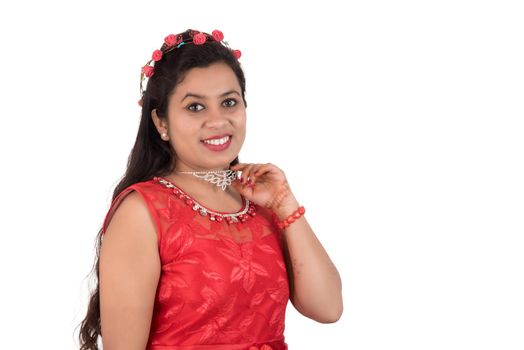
200, 187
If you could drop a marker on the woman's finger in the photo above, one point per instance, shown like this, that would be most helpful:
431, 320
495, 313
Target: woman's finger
254, 172
264, 168
246, 172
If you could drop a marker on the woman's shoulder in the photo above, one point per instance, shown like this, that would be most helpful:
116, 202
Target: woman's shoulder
147, 194
150, 188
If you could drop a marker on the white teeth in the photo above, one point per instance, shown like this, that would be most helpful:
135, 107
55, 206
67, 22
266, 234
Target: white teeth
218, 141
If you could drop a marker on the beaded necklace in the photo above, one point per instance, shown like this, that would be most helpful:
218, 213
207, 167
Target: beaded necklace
248, 208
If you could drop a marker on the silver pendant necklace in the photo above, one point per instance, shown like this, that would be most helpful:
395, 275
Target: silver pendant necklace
221, 178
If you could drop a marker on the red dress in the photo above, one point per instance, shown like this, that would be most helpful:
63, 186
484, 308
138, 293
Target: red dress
223, 285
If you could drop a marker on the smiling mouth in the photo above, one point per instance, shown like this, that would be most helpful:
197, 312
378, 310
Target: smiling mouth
218, 141
218, 145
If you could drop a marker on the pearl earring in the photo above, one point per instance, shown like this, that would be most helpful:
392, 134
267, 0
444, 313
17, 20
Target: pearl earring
164, 135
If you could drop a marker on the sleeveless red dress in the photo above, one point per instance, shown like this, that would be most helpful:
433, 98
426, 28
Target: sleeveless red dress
223, 285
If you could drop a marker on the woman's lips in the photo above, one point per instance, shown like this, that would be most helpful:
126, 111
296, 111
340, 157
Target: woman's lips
218, 148
217, 137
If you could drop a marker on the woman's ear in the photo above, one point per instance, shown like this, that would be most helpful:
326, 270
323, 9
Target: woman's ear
160, 126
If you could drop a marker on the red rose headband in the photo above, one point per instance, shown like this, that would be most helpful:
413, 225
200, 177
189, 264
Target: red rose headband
172, 42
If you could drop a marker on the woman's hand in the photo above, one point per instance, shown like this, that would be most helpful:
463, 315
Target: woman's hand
314, 280
264, 184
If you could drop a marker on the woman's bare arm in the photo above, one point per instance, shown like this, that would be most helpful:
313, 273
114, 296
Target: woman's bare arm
129, 274
315, 284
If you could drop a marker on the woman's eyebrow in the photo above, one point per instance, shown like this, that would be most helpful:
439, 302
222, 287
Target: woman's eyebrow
190, 94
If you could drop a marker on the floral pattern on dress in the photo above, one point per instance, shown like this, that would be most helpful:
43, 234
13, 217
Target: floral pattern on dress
170, 212
168, 320
245, 268
215, 328
220, 283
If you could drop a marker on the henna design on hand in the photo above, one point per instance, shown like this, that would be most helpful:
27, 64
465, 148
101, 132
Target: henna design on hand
278, 196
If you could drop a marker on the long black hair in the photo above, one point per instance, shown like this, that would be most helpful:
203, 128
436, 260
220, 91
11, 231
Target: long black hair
150, 155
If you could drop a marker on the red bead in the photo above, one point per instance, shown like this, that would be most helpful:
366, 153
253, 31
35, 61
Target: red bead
189, 202
297, 215
219, 219
290, 219
302, 210
176, 192
181, 196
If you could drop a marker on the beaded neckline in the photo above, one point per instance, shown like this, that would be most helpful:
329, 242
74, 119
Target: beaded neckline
248, 208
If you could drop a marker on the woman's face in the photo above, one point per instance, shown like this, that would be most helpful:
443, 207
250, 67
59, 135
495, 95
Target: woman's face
217, 110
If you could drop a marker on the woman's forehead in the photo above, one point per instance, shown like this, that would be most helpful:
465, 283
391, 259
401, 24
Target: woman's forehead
202, 77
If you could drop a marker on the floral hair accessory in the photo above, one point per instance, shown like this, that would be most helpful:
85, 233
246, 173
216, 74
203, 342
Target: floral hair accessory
175, 41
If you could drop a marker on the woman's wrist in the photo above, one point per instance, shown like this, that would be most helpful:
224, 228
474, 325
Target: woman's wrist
296, 214
286, 207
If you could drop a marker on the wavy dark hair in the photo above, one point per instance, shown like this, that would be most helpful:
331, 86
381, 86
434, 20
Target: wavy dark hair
150, 155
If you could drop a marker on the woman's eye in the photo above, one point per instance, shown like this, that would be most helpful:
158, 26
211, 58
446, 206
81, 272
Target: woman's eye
194, 104
232, 99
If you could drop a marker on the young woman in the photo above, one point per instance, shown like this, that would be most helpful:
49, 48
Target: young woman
197, 250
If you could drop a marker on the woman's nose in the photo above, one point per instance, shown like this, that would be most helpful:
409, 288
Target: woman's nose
215, 117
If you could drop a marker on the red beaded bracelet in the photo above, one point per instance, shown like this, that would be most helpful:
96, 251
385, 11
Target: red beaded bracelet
292, 217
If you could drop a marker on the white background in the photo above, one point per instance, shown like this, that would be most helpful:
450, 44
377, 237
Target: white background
398, 124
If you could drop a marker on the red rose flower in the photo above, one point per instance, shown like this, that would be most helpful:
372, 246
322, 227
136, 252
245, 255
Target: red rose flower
199, 39
217, 35
237, 54
148, 70
157, 55
170, 40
